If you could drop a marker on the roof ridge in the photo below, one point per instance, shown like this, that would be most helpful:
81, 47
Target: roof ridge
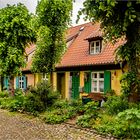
79, 25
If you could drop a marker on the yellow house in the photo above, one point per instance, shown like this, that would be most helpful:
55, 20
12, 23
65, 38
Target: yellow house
88, 65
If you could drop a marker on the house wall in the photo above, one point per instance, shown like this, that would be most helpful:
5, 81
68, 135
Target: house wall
38, 78
115, 81
65, 91
54, 81
67, 78
30, 79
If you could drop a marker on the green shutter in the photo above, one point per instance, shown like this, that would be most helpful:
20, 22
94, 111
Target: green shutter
107, 81
87, 83
25, 82
6, 82
17, 82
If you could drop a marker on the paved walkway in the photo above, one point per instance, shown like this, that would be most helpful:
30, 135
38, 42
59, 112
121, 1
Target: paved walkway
21, 127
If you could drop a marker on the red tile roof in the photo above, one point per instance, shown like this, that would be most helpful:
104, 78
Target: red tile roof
77, 53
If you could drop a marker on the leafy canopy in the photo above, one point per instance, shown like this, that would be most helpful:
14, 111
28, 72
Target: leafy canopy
53, 19
15, 33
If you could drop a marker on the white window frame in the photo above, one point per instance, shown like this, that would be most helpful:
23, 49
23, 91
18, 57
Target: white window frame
21, 82
93, 47
45, 77
98, 79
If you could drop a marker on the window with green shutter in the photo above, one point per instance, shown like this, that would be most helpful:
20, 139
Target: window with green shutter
97, 82
100, 81
21, 82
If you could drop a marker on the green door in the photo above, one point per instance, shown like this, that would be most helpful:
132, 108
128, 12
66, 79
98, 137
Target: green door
75, 86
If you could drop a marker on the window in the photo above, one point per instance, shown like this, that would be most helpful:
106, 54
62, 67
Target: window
97, 82
21, 82
45, 76
95, 47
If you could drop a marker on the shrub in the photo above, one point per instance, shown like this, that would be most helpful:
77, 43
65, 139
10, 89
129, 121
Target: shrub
5, 102
33, 104
130, 121
59, 115
90, 114
60, 104
115, 104
85, 120
44, 92
125, 125
4, 94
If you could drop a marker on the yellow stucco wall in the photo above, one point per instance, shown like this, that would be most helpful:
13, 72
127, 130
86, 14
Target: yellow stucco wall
67, 78
37, 78
115, 81
81, 78
54, 81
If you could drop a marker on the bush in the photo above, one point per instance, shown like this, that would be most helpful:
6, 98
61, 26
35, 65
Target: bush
130, 121
85, 120
116, 104
59, 115
5, 102
125, 125
44, 93
60, 104
4, 94
33, 104
90, 114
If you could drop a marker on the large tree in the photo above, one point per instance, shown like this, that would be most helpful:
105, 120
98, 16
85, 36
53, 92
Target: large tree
53, 19
15, 33
120, 18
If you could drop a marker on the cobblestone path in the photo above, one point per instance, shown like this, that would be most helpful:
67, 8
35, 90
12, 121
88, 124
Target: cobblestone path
21, 127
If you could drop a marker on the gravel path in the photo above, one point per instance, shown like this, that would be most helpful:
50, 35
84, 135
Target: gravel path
21, 127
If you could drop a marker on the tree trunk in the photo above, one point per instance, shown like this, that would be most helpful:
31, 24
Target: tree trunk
11, 86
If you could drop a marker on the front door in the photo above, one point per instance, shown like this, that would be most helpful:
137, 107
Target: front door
75, 85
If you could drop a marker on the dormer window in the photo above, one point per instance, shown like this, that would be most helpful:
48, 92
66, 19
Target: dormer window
95, 47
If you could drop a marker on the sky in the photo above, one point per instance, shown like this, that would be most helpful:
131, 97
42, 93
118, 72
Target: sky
31, 5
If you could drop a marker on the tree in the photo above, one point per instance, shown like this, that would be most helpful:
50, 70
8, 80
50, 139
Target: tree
120, 18
15, 33
53, 19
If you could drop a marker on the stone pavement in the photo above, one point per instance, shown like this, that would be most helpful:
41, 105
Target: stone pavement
20, 127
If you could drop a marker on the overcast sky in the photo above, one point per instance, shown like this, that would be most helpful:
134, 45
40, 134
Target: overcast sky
31, 5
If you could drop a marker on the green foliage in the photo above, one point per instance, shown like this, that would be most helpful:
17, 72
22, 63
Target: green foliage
59, 115
44, 92
61, 111
15, 33
130, 121
33, 104
114, 23
4, 94
89, 116
85, 120
53, 18
4, 102
125, 125
115, 104
35, 101
128, 81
